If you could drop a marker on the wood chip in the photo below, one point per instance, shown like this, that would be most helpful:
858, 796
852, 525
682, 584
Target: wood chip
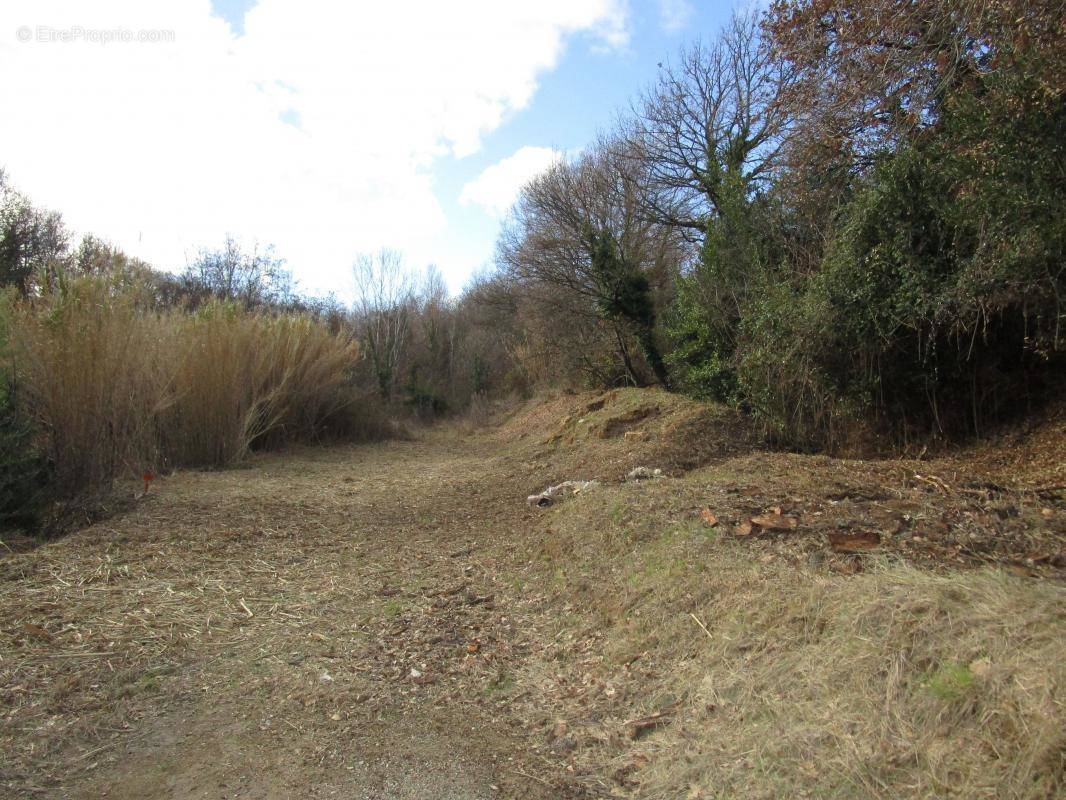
854, 542
775, 522
636, 728
744, 529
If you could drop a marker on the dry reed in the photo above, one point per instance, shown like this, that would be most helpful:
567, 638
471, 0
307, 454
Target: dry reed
115, 386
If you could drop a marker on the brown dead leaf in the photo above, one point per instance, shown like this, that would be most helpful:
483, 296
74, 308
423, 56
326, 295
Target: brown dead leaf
892, 526
855, 542
852, 566
1054, 559
36, 632
775, 522
636, 728
743, 529
708, 517
623, 774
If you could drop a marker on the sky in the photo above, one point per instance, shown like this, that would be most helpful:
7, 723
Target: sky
322, 128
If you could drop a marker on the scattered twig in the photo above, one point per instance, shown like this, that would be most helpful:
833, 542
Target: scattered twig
531, 777
935, 482
700, 623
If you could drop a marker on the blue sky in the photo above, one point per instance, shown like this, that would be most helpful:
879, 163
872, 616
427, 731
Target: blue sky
581, 97
322, 128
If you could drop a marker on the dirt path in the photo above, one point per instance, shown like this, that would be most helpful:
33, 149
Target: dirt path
320, 624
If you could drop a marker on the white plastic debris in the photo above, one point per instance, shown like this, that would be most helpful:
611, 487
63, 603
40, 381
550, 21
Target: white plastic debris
554, 493
643, 474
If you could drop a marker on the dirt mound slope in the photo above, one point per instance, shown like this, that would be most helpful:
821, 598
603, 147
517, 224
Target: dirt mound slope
614, 431
1029, 456
774, 624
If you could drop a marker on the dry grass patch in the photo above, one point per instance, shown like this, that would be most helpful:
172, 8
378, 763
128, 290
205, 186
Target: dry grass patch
755, 676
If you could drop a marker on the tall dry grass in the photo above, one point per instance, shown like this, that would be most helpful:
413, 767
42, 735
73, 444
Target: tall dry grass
94, 375
242, 379
115, 386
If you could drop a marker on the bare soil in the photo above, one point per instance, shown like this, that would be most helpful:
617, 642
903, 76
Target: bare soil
393, 621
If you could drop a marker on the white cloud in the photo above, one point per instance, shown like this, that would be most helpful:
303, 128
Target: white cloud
164, 147
675, 15
497, 187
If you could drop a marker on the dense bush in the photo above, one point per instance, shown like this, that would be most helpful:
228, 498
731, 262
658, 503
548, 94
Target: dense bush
242, 379
936, 306
911, 285
22, 467
94, 376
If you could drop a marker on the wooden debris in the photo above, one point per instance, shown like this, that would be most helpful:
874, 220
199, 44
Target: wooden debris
642, 726
854, 542
775, 522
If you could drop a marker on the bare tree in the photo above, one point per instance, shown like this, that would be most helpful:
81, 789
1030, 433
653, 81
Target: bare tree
578, 232
383, 308
711, 124
253, 278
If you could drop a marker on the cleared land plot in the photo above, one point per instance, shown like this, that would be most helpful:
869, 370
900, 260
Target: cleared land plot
393, 620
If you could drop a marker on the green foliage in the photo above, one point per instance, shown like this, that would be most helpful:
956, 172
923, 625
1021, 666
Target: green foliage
23, 471
935, 306
951, 682
32, 240
625, 295
943, 282
700, 360
480, 375
424, 400
22, 466
712, 300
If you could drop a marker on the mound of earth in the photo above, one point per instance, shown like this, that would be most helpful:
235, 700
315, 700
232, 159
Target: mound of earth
613, 432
